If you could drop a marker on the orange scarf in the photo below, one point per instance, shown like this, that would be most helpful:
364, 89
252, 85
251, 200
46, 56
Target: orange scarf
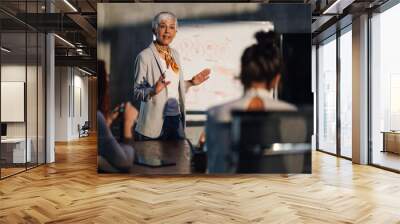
169, 59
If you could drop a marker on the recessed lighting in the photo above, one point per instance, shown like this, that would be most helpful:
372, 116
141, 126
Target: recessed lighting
334, 7
86, 72
64, 40
70, 5
5, 50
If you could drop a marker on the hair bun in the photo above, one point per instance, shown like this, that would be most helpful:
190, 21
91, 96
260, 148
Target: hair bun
267, 39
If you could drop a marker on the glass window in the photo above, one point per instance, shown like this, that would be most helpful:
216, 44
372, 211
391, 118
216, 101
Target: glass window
31, 97
41, 98
22, 93
385, 88
327, 96
15, 150
346, 94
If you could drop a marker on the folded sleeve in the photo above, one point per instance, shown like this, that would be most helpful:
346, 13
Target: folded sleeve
142, 89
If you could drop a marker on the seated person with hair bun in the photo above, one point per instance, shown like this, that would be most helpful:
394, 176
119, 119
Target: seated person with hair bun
260, 74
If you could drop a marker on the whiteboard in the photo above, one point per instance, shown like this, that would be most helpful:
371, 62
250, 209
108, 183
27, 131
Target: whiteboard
217, 45
12, 101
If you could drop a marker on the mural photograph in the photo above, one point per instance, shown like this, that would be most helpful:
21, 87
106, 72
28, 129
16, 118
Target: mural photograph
215, 88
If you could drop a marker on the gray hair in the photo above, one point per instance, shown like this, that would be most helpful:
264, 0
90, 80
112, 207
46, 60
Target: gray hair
161, 16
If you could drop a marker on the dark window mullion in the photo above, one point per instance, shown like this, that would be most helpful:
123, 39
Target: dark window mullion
26, 86
369, 100
338, 98
317, 96
37, 91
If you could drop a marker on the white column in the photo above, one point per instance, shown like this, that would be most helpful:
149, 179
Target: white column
50, 92
62, 103
360, 90
50, 110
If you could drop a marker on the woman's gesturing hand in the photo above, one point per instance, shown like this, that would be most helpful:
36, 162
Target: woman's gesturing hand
160, 85
201, 77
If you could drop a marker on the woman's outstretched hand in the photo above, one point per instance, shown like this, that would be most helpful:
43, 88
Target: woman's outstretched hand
201, 77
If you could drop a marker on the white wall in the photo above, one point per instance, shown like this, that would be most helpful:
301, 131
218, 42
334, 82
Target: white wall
33, 126
16, 73
61, 103
71, 93
80, 94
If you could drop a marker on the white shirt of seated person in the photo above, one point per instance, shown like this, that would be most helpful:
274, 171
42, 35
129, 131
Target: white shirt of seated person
222, 112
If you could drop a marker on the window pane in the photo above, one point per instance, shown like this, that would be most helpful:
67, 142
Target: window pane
385, 84
14, 153
327, 96
41, 98
346, 94
31, 97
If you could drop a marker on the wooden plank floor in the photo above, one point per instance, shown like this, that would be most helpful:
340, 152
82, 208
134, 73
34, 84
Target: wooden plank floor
10, 171
71, 191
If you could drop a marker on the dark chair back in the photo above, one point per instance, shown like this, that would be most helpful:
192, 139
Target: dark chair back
272, 142
218, 147
86, 125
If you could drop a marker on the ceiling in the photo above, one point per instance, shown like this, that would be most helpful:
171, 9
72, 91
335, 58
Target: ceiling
72, 20
76, 22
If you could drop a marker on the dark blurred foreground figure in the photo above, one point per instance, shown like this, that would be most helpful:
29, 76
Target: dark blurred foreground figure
112, 155
260, 74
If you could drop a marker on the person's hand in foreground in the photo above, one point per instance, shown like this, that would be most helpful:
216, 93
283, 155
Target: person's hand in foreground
130, 116
114, 114
202, 140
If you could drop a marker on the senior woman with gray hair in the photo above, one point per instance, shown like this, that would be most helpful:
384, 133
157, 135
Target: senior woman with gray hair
159, 84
